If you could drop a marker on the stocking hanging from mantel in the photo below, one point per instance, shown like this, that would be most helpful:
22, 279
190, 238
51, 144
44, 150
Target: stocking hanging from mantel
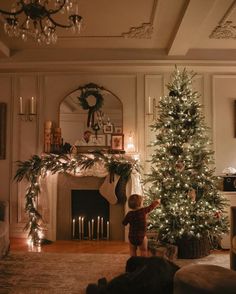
108, 187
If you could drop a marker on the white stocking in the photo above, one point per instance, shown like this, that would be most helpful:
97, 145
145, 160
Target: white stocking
107, 189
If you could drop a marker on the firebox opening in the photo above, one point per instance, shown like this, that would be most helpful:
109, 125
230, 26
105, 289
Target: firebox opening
90, 215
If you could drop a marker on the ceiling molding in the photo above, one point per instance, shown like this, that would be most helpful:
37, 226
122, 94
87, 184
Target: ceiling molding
226, 29
145, 31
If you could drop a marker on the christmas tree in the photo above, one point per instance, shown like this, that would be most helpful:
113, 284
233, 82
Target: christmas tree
182, 168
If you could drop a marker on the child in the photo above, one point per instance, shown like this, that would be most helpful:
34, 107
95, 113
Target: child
136, 218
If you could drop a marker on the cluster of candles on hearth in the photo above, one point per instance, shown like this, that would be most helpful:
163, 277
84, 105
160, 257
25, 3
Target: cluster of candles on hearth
93, 229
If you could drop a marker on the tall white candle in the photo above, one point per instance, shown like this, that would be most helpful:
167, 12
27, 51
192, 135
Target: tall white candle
32, 105
89, 230
73, 228
79, 227
21, 107
102, 227
149, 105
82, 229
108, 230
92, 227
98, 227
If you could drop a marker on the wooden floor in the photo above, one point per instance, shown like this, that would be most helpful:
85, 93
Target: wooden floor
74, 246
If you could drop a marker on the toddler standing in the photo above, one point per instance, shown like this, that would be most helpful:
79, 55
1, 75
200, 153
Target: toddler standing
136, 218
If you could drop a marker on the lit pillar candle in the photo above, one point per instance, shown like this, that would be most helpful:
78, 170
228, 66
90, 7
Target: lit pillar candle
79, 227
82, 227
89, 230
108, 230
21, 107
73, 228
101, 227
92, 227
32, 105
98, 227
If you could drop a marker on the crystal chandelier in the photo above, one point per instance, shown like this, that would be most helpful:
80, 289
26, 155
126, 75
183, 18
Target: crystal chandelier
35, 19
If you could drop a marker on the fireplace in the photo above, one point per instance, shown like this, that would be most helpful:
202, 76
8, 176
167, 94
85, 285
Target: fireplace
88, 186
56, 203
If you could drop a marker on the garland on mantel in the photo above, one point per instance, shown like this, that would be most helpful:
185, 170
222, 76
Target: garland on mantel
38, 166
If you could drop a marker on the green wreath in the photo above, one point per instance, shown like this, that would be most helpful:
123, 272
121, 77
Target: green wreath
86, 91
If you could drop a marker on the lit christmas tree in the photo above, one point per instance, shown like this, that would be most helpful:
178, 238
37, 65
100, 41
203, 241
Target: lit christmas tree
182, 171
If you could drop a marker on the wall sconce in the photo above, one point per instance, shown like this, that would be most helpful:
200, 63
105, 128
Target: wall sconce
151, 107
27, 109
130, 144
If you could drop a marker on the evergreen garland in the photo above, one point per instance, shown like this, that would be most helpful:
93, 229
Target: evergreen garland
37, 167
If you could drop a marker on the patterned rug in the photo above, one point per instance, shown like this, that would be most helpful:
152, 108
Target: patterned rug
57, 273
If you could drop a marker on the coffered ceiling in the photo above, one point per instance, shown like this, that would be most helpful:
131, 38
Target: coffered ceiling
137, 30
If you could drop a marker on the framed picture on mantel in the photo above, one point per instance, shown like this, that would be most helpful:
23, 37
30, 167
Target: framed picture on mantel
3, 117
117, 142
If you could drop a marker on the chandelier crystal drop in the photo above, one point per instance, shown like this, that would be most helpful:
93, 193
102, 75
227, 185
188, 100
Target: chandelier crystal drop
37, 19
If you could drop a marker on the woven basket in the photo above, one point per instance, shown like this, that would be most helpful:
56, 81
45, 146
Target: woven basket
190, 247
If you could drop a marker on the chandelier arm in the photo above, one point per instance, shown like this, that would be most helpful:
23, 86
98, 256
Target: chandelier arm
56, 24
12, 13
54, 11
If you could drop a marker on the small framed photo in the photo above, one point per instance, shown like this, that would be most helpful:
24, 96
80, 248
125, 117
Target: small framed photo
99, 140
118, 130
108, 129
117, 142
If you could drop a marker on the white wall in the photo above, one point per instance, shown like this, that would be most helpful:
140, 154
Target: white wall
224, 121
132, 83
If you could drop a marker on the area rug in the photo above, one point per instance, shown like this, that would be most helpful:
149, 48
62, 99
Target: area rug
57, 273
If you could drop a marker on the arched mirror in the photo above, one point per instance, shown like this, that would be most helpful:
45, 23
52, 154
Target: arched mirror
94, 110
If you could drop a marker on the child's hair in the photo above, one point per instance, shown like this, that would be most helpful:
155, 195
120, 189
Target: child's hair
135, 201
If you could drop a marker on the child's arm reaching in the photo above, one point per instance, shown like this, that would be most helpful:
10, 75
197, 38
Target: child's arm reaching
153, 205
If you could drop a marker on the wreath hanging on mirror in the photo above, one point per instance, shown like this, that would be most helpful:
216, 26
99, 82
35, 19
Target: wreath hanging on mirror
87, 91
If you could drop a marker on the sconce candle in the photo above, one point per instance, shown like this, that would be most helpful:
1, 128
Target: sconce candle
150, 105
33, 105
21, 108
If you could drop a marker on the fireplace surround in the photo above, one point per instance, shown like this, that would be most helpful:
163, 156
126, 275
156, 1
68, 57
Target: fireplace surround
67, 183
56, 192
